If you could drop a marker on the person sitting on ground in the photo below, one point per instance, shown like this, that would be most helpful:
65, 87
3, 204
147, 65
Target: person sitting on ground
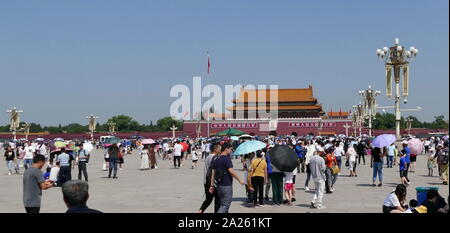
412, 206
76, 194
394, 202
434, 203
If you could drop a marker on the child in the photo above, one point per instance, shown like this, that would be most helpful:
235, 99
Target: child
195, 153
289, 186
47, 173
54, 173
412, 206
402, 165
431, 163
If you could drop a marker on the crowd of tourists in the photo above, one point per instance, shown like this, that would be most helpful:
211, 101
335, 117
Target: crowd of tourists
320, 159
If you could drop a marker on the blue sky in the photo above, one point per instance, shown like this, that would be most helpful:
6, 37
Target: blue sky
62, 60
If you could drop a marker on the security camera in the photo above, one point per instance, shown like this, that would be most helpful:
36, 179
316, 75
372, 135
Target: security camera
405, 101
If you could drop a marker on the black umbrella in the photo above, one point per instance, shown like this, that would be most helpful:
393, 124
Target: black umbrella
284, 158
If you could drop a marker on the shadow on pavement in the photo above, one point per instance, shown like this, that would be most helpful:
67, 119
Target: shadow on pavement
364, 185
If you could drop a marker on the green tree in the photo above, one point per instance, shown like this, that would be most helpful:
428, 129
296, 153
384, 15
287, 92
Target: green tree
35, 128
165, 123
75, 128
123, 123
439, 123
52, 129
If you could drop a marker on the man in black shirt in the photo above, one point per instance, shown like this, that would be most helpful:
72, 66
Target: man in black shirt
361, 150
377, 160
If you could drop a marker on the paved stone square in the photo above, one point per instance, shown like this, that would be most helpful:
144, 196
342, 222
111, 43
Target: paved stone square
168, 190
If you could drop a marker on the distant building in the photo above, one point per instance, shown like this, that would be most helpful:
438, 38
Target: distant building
338, 115
297, 111
291, 103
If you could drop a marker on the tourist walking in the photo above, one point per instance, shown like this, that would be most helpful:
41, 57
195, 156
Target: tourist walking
10, 156
407, 152
65, 172
152, 156
300, 156
390, 155
318, 168
113, 153
207, 174
377, 159
361, 150
222, 175
33, 184
329, 164
339, 153
29, 153
277, 182
402, 167
351, 159
177, 154
269, 176
195, 154
258, 177
442, 160
121, 155
431, 161
310, 151
82, 158
144, 158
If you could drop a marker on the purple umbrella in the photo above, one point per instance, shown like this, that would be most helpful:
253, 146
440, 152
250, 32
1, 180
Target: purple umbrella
384, 140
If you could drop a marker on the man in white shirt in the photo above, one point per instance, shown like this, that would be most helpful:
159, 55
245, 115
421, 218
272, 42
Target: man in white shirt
339, 152
317, 166
29, 155
43, 150
177, 154
310, 150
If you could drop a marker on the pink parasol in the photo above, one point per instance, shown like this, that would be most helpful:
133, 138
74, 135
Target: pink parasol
415, 145
148, 141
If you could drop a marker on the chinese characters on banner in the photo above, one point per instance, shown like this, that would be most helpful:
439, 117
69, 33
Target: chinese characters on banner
310, 124
234, 125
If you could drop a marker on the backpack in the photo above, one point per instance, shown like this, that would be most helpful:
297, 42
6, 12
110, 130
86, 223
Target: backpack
445, 156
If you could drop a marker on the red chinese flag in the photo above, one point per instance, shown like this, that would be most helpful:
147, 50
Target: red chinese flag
209, 65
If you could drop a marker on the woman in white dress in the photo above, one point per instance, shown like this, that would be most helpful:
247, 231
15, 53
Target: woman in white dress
144, 153
351, 157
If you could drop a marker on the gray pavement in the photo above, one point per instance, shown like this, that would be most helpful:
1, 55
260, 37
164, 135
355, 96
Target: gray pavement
168, 190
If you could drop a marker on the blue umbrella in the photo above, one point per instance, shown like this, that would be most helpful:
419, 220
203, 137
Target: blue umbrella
384, 140
249, 147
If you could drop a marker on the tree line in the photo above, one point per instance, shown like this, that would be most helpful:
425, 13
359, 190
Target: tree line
123, 123
387, 121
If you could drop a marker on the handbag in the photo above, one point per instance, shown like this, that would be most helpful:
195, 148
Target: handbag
347, 163
335, 169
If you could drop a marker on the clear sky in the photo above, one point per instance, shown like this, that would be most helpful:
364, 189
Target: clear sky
62, 60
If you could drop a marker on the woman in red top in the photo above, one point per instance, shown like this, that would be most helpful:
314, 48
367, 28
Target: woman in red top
330, 161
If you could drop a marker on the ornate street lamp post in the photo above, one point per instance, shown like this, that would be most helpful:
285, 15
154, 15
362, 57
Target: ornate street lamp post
369, 105
14, 120
26, 129
359, 117
396, 57
112, 128
92, 124
409, 125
